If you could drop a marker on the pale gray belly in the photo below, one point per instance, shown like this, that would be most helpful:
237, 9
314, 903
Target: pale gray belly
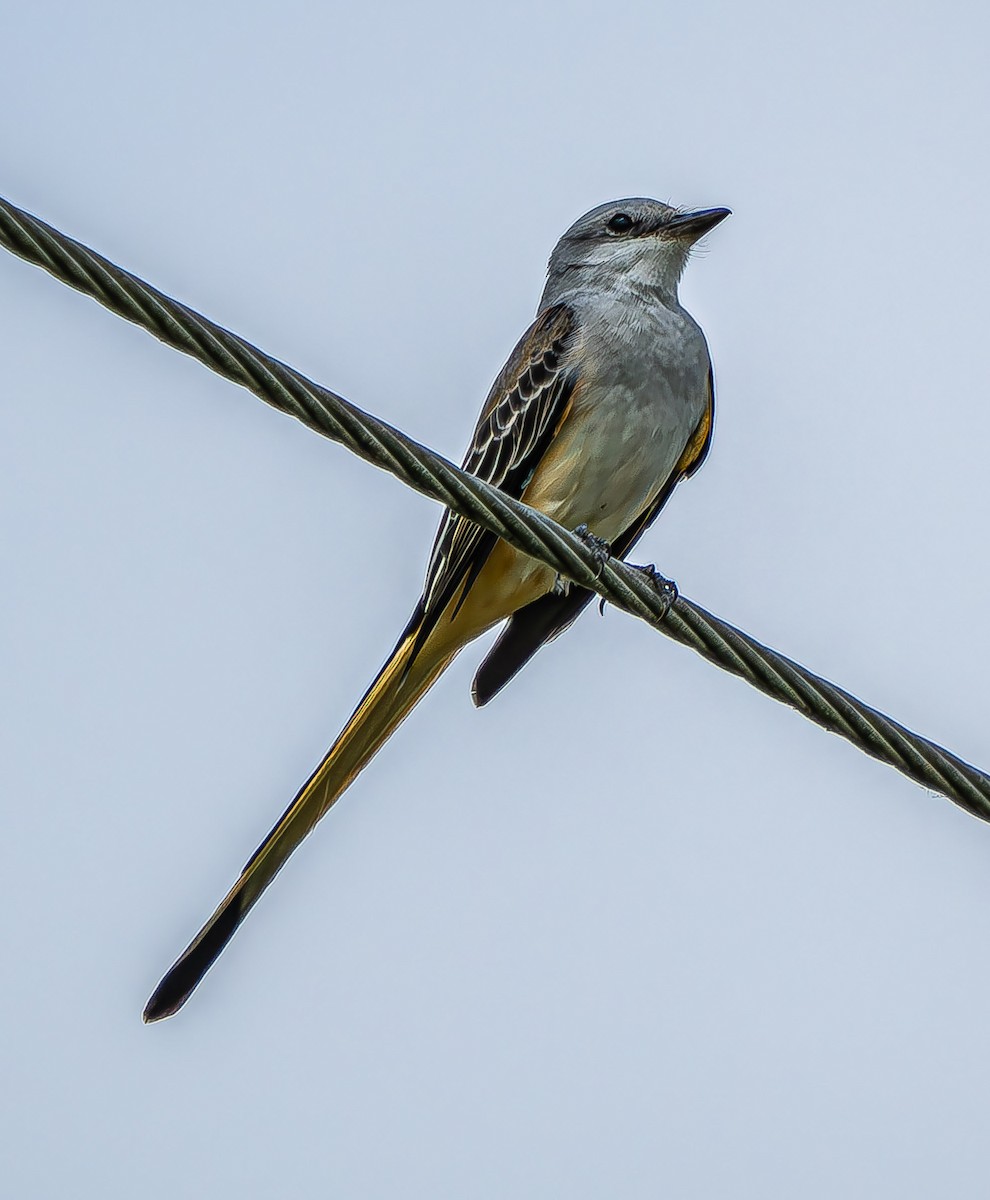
614, 453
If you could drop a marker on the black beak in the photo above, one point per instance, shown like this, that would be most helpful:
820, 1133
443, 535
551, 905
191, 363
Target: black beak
693, 225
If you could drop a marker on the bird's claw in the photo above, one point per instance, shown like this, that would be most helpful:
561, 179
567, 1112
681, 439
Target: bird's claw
601, 549
665, 588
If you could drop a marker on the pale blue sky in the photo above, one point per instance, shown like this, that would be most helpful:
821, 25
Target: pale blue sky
633, 930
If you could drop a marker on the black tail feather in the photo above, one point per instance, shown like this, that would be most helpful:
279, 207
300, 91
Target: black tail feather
186, 973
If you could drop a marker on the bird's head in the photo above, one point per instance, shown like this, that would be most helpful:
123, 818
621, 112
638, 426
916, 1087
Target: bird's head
639, 240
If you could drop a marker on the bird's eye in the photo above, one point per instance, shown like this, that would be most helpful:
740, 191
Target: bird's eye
620, 223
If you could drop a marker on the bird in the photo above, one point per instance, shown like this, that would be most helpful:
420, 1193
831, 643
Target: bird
603, 407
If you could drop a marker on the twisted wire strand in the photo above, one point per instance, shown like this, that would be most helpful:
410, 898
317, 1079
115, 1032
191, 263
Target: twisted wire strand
375, 441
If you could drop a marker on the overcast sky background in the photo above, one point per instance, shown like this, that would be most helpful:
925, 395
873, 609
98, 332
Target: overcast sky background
633, 930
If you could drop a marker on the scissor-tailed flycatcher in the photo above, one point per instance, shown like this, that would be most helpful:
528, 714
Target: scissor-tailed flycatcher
602, 408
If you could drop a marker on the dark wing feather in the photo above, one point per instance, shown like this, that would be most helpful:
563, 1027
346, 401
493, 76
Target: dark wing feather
546, 618
524, 408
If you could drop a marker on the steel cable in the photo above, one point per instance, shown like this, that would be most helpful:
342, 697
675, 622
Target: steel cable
628, 588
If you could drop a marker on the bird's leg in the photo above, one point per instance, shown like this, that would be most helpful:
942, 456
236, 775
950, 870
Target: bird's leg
665, 588
601, 549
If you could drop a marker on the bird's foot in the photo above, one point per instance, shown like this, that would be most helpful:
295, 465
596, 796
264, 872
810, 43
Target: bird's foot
602, 551
665, 588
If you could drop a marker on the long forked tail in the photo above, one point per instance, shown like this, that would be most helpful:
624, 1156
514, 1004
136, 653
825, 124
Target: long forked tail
400, 683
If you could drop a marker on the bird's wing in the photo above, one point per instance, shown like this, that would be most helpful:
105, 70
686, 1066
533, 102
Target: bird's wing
546, 618
525, 408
